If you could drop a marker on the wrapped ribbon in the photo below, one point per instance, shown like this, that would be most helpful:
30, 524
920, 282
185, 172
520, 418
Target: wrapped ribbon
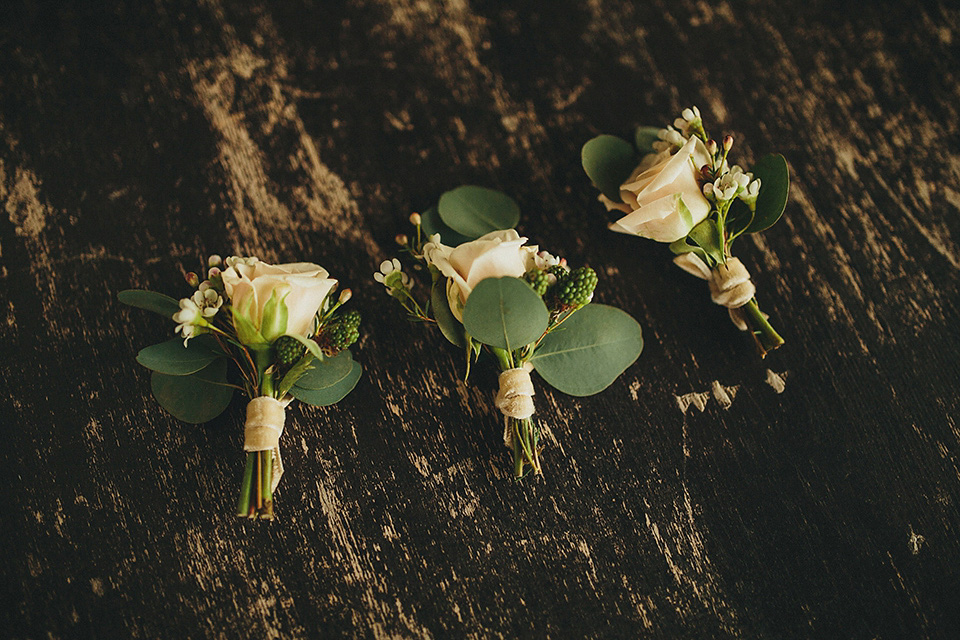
730, 284
262, 431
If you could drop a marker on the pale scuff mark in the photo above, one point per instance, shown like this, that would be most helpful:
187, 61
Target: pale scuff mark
27, 213
723, 395
699, 400
219, 84
777, 380
915, 541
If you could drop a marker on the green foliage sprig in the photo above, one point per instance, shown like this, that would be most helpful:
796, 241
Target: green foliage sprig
490, 293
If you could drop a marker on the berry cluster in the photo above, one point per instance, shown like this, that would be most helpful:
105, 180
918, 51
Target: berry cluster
538, 279
575, 289
288, 350
340, 332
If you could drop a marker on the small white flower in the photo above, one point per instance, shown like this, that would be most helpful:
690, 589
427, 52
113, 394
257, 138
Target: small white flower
749, 195
207, 299
730, 184
688, 121
669, 138
545, 260
392, 276
233, 261
190, 319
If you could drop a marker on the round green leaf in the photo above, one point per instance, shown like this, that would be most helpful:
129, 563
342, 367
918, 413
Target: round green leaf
172, 358
195, 398
149, 300
774, 190
505, 313
609, 161
644, 139
430, 223
706, 235
586, 353
450, 327
331, 394
474, 211
327, 372
739, 218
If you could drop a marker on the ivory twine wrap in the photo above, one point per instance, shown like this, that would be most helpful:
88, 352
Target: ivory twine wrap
514, 399
261, 432
730, 284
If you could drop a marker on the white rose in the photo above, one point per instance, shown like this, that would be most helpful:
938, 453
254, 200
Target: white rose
662, 199
302, 286
494, 255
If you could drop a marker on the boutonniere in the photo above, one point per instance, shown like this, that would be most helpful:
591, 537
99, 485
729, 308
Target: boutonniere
275, 332
490, 292
677, 186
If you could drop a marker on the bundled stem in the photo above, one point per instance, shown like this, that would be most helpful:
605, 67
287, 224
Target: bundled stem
526, 446
256, 488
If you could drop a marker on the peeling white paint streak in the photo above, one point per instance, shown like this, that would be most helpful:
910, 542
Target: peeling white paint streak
723, 395
699, 400
777, 380
27, 213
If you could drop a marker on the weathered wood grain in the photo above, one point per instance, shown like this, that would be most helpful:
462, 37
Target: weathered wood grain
705, 494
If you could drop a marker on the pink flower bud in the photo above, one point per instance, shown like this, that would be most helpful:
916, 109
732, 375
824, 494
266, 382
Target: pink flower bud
214, 261
345, 295
192, 279
712, 147
213, 273
402, 239
727, 143
415, 219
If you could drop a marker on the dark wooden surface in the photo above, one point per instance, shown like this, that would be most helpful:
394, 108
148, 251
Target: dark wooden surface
706, 494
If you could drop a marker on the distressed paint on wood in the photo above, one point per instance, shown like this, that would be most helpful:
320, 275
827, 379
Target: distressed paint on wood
705, 494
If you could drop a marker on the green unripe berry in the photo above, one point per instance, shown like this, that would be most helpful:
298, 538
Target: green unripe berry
341, 331
538, 279
288, 350
576, 288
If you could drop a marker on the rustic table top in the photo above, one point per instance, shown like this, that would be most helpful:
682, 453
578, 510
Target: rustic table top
706, 494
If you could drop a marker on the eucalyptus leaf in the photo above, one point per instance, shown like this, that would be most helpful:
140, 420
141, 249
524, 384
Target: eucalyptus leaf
681, 246
505, 313
175, 359
609, 161
327, 372
430, 223
586, 353
195, 398
474, 211
738, 219
331, 394
150, 300
706, 235
774, 178
450, 327
644, 138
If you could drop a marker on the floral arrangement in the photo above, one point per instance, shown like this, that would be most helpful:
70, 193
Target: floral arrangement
675, 185
280, 326
491, 292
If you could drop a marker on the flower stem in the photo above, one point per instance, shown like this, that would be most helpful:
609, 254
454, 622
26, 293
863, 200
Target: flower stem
267, 490
526, 449
243, 505
763, 332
